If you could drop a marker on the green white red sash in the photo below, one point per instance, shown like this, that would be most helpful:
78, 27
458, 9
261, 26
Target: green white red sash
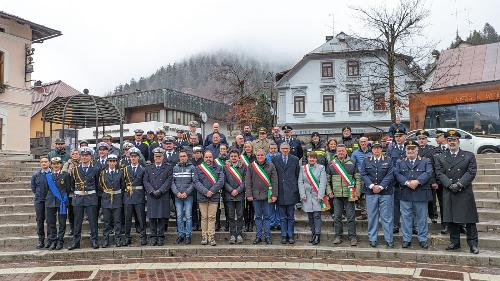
325, 205
235, 173
345, 177
208, 172
245, 160
264, 177
219, 162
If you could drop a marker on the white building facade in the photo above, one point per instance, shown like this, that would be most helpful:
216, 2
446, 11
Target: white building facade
341, 83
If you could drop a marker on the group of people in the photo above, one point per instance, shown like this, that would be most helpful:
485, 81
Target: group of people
257, 181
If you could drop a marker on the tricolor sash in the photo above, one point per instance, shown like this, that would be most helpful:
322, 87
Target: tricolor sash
245, 160
264, 177
325, 204
345, 177
212, 177
57, 194
219, 162
235, 173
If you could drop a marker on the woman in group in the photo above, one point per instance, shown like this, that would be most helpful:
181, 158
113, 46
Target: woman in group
312, 186
331, 150
247, 157
210, 181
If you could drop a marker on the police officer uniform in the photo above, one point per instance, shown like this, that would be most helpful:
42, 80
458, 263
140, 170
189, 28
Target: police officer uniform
84, 185
427, 151
157, 182
397, 152
56, 205
295, 145
180, 142
111, 184
134, 200
101, 164
142, 146
414, 201
456, 171
171, 157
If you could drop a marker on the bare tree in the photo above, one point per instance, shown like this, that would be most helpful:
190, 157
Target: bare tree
394, 46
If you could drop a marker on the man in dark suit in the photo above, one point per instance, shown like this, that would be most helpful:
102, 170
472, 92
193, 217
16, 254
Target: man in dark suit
288, 170
442, 147
133, 199
425, 150
84, 186
157, 182
456, 169
171, 155
138, 142
397, 152
413, 174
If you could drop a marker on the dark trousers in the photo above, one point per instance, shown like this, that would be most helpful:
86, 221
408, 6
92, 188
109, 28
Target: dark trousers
91, 215
99, 199
195, 212
235, 217
40, 219
471, 233
112, 220
397, 211
315, 222
54, 234
439, 194
287, 220
140, 219
217, 215
332, 209
341, 204
248, 213
71, 215
157, 229
432, 207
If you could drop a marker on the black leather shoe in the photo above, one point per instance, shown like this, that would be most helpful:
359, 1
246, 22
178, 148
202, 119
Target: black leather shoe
434, 220
312, 238
74, 246
40, 245
444, 230
118, 243
390, 245
105, 243
95, 245
373, 244
316, 240
59, 246
283, 240
424, 245
291, 241
452, 247
180, 239
161, 242
144, 241
257, 241
395, 230
153, 242
268, 241
474, 250
70, 233
188, 240
52, 246
406, 244
127, 241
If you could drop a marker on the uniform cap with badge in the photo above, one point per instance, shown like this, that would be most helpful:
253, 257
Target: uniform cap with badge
112, 157
286, 128
138, 131
410, 144
422, 133
84, 142
128, 145
440, 133
102, 145
193, 124
59, 141
150, 132
159, 150
168, 140
197, 149
160, 130
55, 160
86, 151
376, 144
262, 130
399, 132
134, 150
452, 135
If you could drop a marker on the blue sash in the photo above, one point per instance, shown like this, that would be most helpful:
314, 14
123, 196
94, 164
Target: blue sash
57, 194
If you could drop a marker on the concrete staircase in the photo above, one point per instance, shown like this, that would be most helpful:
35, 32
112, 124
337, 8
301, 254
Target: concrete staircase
18, 235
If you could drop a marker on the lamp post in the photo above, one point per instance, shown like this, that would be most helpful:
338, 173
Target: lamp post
269, 84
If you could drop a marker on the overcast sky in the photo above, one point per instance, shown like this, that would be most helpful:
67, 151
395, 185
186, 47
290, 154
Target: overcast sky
105, 43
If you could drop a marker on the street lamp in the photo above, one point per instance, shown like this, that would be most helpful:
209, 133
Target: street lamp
269, 84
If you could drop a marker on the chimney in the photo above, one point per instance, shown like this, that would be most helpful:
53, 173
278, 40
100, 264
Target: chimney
329, 37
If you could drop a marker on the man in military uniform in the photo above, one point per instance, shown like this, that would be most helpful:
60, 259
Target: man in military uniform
455, 170
138, 143
84, 186
83, 143
442, 147
397, 152
427, 151
295, 145
413, 174
160, 135
180, 139
56, 203
192, 131
171, 155
157, 182
111, 184
133, 199
377, 176
261, 142
101, 163
59, 151
318, 146
348, 140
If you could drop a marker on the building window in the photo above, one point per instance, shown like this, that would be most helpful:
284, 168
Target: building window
39, 134
379, 102
152, 116
328, 103
354, 102
327, 69
299, 104
2, 69
179, 117
352, 68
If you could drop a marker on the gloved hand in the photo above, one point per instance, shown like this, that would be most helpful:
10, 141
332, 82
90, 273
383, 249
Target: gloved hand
454, 188
157, 194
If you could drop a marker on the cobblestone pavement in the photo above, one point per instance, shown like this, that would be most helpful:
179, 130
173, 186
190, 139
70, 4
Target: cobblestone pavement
241, 268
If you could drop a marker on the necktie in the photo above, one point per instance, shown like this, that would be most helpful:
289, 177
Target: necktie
86, 169
135, 170
412, 162
285, 159
102, 162
169, 155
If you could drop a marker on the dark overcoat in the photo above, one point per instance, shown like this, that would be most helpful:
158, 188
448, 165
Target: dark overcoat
158, 179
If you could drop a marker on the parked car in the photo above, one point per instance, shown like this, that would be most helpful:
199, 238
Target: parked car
468, 141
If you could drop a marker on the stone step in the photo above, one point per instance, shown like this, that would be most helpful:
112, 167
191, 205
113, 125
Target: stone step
18, 199
485, 186
491, 243
16, 208
22, 178
486, 194
488, 203
488, 214
414, 255
487, 178
488, 171
488, 166
15, 192
19, 184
